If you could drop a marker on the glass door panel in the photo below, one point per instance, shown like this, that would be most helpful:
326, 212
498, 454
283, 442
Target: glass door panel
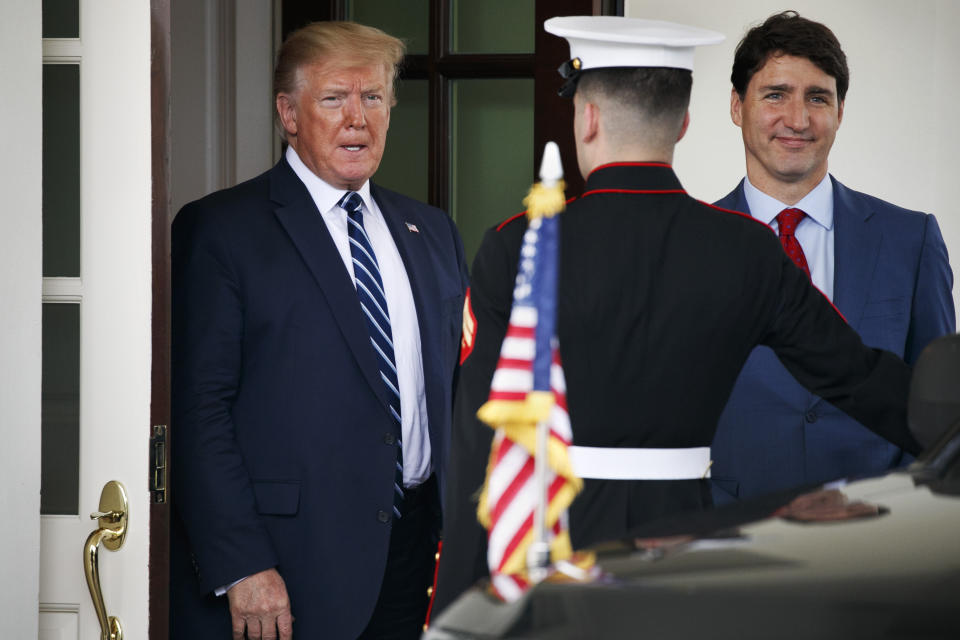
408, 20
60, 410
491, 154
493, 26
404, 167
61, 18
61, 170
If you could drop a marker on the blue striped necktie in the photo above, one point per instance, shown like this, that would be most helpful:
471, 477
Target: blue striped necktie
373, 302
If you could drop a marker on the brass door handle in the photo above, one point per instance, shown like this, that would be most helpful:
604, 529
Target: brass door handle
111, 531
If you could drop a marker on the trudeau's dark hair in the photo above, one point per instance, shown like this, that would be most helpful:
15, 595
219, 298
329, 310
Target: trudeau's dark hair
788, 34
658, 93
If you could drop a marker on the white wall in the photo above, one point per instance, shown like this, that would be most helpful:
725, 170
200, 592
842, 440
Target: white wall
20, 334
899, 137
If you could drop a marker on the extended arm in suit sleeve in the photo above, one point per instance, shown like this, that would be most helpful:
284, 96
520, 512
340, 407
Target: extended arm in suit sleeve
827, 357
464, 284
463, 561
461, 257
211, 486
932, 313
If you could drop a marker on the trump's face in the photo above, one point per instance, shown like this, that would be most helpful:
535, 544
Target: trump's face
337, 121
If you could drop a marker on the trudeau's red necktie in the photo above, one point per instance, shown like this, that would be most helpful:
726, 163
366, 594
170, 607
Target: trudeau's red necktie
787, 221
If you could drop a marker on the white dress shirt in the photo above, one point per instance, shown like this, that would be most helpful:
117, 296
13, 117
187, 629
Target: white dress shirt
814, 233
400, 306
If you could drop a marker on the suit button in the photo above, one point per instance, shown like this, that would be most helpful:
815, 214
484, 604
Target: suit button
811, 416
389, 439
383, 516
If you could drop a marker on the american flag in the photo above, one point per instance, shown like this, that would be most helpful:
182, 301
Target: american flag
528, 387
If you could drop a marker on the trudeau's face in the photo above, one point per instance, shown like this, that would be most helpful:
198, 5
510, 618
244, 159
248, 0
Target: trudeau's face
789, 117
337, 121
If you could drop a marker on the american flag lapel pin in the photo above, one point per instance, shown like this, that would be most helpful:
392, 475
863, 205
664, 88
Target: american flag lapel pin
412, 228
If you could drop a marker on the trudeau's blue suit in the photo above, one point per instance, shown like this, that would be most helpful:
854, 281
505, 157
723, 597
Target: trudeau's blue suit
282, 454
893, 284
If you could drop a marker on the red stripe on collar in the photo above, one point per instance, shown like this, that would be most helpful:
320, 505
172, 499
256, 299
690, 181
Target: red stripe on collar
632, 164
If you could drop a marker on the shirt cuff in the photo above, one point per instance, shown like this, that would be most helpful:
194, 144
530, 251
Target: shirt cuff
219, 591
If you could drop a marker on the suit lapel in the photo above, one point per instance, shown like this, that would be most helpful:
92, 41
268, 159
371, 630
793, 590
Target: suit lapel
856, 249
298, 214
738, 200
415, 253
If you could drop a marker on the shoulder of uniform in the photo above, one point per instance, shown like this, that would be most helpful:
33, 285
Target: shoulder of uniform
725, 210
745, 216
522, 214
517, 216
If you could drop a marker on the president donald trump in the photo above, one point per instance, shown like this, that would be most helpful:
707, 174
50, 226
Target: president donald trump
316, 328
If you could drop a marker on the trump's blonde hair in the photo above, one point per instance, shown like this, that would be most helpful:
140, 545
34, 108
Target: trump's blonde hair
339, 43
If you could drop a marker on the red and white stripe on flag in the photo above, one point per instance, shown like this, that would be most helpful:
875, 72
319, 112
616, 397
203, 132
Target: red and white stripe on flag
510, 493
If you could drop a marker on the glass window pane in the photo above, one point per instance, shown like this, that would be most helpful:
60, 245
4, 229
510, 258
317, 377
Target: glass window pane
492, 153
408, 20
61, 18
61, 170
60, 410
492, 26
405, 159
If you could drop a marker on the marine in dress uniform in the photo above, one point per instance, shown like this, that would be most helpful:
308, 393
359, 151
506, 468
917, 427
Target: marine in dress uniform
661, 300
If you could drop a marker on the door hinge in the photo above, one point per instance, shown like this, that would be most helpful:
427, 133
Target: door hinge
158, 464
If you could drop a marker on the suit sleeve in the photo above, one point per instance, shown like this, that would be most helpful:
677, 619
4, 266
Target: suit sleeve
826, 356
461, 257
932, 313
464, 280
463, 560
211, 487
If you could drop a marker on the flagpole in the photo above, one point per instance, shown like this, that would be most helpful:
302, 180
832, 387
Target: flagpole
538, 556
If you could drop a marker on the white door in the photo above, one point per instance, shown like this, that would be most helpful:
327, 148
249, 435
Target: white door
88, 346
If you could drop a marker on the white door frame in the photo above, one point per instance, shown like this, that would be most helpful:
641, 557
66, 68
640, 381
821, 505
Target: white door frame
114, 51
20, 313
127, 143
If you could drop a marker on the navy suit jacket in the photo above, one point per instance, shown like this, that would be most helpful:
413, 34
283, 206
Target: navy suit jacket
280, 422
893, 284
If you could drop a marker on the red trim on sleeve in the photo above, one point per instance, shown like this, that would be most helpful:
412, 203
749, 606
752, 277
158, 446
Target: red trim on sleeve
469, 333
829, 301
433, 589
750, 217
735, 212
